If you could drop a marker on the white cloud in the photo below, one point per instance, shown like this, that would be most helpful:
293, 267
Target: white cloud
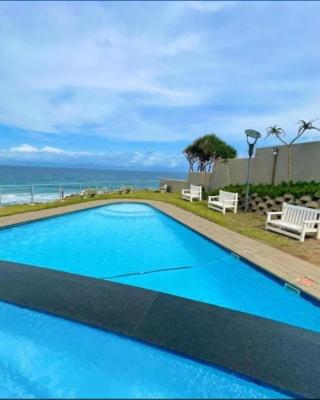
182, 8
152, 159
47, 154
183, 43
59, 77
287, 118
24, 148
161, 72
210, 6
29, 149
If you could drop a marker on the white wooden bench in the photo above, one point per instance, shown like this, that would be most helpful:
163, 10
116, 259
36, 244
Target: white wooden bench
195, 192
225, 201
295, 221
164, 188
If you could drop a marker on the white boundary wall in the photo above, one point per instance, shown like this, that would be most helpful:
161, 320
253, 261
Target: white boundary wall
305, 166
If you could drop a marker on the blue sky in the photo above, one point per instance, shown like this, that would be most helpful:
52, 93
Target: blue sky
129, 84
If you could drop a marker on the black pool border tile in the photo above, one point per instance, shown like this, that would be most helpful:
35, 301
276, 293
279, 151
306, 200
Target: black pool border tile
273, 353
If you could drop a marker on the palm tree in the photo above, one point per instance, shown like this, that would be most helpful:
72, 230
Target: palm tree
280, 133
225, 163
305, 126
275, 130
189, 154
205, 150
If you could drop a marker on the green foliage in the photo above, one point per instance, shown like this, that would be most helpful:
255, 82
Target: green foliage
205, 150
297, 189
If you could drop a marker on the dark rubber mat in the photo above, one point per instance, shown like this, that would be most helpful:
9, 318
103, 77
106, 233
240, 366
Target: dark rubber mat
274, 353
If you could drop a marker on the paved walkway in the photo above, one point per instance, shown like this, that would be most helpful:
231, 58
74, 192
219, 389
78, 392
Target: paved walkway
299, 273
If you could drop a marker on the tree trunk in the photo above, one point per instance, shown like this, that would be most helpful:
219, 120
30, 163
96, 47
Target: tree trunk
289, 164
228, 173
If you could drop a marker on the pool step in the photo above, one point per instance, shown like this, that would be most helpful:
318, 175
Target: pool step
235, 255
292, 288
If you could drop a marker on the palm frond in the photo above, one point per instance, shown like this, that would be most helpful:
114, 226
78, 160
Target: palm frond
275, 130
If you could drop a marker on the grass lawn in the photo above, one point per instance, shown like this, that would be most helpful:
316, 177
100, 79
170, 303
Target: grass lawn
250, 225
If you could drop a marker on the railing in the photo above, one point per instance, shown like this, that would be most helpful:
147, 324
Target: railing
42, 193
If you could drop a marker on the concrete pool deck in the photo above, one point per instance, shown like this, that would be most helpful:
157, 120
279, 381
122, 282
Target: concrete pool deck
301, 274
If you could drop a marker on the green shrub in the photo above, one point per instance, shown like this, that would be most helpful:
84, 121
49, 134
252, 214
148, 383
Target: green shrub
297, 189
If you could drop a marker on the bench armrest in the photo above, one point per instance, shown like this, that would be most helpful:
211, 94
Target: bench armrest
185, 191
271, 213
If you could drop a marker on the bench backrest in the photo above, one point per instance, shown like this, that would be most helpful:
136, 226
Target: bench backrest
297, 214
227, 196
195, 190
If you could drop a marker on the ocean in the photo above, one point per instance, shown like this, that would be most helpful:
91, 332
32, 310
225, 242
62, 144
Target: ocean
22, 184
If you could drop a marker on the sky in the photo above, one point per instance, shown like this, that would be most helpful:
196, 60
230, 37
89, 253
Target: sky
130, 84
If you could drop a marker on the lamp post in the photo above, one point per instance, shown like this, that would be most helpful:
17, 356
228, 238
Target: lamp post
252, 137
275, 152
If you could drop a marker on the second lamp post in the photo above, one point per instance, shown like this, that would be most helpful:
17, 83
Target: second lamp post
252, 137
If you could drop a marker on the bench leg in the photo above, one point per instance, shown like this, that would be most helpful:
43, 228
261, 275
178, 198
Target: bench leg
302, 235
318, 233
267, 222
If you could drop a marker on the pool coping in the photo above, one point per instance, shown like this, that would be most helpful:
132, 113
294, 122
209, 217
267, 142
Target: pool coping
298, 273
275, 354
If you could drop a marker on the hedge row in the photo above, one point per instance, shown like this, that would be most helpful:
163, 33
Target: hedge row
297, 189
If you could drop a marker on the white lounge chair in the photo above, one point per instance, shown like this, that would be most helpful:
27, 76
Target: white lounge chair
163, 188
295, 221
195, 192
225, 201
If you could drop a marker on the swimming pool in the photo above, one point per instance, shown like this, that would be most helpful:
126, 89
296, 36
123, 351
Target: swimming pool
138, 245
56, 358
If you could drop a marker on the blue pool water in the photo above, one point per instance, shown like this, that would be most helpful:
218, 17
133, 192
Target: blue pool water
43, 356
128, 238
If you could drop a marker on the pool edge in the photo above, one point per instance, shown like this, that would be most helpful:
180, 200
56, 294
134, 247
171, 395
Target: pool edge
266, 266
